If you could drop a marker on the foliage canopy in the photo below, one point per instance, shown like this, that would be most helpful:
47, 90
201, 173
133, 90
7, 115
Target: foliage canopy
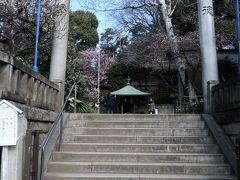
83, 28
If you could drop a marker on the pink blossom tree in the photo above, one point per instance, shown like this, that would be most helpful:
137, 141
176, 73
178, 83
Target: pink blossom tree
87, 64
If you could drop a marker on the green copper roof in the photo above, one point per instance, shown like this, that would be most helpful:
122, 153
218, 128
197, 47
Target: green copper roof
129, 91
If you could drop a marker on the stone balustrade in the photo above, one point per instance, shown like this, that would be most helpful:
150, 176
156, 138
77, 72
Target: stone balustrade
19, 84
224, 103
224, 106
225, 96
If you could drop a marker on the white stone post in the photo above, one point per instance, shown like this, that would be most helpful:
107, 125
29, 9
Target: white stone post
59, 48
207, 45
13, 128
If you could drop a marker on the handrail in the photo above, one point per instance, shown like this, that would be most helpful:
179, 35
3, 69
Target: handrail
52, 130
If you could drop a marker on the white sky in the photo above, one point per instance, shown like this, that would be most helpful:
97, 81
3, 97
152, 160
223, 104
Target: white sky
97, 7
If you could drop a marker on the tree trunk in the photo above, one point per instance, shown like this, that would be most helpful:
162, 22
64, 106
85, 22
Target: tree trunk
180, 62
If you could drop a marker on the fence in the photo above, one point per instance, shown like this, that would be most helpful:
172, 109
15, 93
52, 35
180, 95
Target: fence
183, 106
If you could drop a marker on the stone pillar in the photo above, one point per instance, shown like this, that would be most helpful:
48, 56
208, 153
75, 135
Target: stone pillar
58, 97
60, 43
207, 45
210, 100
13, 132
5, 68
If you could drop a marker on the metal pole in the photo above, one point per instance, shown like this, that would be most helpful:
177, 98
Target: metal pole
98, 100
75, 99
35, 65
238, 36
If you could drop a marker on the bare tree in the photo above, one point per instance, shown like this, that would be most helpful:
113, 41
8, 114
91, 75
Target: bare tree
161, 10
18, 24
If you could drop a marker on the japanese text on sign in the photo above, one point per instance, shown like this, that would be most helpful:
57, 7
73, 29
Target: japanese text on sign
8, 127
207, 10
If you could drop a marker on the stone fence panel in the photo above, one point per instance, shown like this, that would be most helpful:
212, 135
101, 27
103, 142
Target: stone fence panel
19, 84
225, 96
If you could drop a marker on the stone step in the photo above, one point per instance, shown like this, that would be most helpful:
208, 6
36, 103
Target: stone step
135, 117
137, 157
136, 124
173, 148
138, 131
137, 147
142, 168
102, 176
138, 139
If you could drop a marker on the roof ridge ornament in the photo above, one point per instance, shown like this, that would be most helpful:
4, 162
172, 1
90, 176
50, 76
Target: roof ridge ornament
128, 79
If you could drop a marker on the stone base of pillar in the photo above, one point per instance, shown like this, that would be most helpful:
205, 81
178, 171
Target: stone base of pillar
209, 107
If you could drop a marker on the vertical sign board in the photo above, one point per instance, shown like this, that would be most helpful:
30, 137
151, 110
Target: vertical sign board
8, 124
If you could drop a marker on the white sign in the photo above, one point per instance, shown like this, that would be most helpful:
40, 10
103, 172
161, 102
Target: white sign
8, 124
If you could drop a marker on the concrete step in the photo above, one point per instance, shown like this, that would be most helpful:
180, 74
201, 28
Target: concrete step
142, 168
134, 117
102, 176
109, 147
138, 139
138, 131
136, 124
137, 147
137, 157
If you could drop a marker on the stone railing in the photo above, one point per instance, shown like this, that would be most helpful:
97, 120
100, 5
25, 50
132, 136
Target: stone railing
19, 84
225, 96
224, 105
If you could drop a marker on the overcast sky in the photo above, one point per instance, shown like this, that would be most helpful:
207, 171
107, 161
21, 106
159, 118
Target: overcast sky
97, 7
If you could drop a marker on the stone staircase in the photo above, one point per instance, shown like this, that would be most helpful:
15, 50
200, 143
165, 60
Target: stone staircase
137, 147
